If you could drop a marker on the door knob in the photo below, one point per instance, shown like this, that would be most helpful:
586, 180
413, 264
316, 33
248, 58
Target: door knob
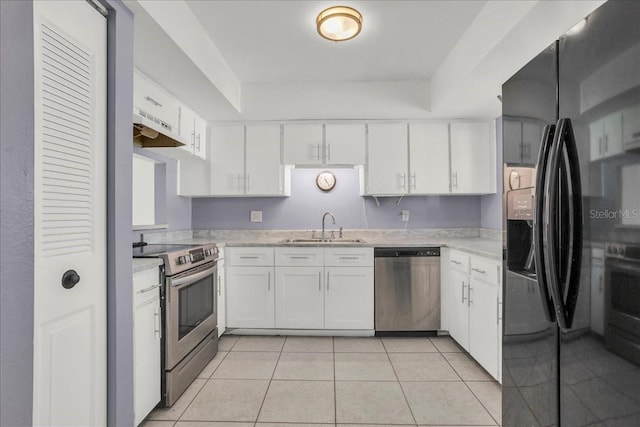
70, 278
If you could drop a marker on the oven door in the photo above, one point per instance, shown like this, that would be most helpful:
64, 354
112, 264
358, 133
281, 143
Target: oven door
622, 302
191, 311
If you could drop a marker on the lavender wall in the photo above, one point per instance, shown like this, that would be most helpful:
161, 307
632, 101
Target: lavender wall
304, 208
16, 212
171, 209
491, 205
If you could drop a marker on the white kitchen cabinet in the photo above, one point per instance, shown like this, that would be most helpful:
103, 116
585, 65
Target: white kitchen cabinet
250, 297
597, 291
483, 324
264, 171
630, 125
147, 334
387, 151
149, 97
605, 136
303, 144
245, 161
194, 176
227, 160
344, 144
349, 298
299, 297
473, 165
193, 129
221, 294
429, 158
531, 142
250, 287
473, 301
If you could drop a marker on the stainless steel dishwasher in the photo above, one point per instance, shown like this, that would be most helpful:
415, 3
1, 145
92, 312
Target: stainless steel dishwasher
407, 290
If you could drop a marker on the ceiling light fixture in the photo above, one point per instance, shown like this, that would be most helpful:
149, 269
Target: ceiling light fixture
339, 23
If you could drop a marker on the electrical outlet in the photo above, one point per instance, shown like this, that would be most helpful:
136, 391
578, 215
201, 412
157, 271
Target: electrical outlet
405, 216
256, 216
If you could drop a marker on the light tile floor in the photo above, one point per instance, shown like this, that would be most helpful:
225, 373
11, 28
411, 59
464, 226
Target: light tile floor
287, 381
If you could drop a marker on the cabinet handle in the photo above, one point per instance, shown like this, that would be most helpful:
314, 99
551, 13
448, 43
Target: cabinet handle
348, 257
470, 289
319, 280
328, 153
219, 281
193, 140
456, 262
153, 101
150, 288
156, 323
269, 281
463, 286
248, 182
318, 151
413, 176
600, 145
498, 318
601, 283
479, 271
249, 257
454, 178
404, 181
198, 142
299, 257
328, 276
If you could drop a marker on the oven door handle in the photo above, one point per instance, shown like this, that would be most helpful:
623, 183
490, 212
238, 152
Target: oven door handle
192, 278
538, 221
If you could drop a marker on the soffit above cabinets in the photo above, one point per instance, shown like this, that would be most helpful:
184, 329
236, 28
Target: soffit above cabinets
263, 60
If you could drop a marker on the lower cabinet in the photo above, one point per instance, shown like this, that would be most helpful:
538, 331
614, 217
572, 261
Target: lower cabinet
471, 302
312, 288
250, 302
221, 294
147, 323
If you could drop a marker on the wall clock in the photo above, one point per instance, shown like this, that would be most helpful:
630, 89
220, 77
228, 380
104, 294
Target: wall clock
326, 181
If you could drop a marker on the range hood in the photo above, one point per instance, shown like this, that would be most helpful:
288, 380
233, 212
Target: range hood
150, 131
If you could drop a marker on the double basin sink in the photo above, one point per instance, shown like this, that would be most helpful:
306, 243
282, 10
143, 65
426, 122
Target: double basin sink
322, 240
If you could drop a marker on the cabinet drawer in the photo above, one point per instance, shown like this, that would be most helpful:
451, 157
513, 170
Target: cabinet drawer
250, 256
337, 257
292, 256
484, 269
459, 260
146, 285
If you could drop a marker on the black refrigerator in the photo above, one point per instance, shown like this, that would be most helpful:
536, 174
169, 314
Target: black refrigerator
571, 294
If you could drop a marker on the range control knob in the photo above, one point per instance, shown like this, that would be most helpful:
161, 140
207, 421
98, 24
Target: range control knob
182, 260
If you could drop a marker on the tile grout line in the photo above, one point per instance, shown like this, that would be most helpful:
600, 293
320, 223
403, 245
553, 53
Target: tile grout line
399, 383
481, 404
335, 385
269, 385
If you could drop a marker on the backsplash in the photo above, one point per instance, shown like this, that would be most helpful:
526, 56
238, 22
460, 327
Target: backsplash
304, 208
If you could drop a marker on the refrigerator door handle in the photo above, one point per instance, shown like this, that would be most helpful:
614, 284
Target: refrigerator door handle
538, 235
563, 156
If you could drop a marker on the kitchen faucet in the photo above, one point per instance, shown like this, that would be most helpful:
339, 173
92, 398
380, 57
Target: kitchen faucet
323, 219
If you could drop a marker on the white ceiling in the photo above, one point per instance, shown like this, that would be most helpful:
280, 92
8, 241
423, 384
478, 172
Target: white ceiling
263, 60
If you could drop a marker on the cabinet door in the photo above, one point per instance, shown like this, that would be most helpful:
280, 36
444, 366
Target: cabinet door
429, 158
597, 296
483, 324
146, 353
250, 297
630, 124
349, 298
531, 142
186, 128
613, 134
299, 297
387, 159
222, 297
227, 160
512, 141
264, 173
303, 144
473, 169
153, 99
345, 144
194, 176
596, 139
446, 292
200, 139
459, 309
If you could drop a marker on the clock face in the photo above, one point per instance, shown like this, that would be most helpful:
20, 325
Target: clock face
326, 181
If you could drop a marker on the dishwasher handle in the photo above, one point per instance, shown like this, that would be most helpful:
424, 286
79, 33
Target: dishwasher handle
406, 252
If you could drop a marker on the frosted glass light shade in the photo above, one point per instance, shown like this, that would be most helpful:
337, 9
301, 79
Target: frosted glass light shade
339, 23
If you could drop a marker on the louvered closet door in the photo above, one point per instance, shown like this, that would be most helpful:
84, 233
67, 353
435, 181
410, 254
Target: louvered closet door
70, 214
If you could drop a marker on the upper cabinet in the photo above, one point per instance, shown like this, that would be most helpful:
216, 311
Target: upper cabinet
155, 101
429, 158
386, 169
246, 161
193, 129
605, 136
324, 144
523, 138
473, 158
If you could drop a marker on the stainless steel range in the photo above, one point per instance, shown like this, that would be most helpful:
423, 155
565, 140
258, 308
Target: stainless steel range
189, 309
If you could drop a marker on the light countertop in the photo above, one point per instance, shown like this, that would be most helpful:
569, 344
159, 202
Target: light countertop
141, 264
